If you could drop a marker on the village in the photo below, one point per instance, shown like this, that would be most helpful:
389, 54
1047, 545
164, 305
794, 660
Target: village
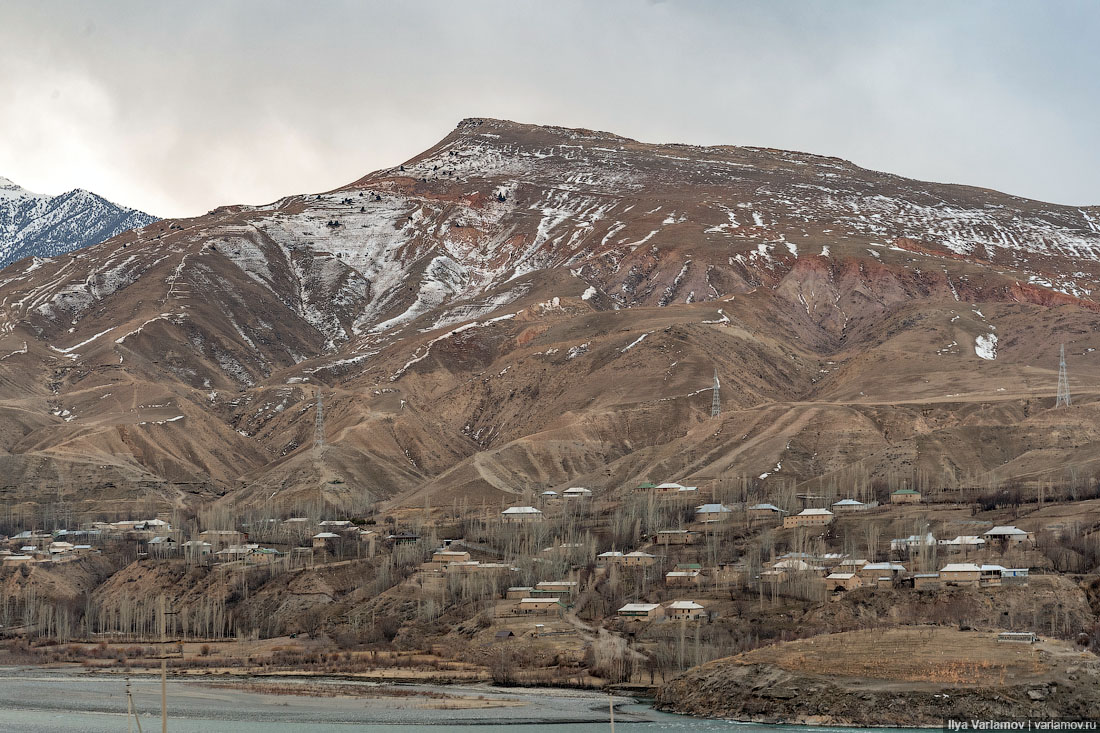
570, 568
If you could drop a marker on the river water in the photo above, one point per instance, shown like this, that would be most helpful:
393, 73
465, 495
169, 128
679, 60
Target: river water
40, 701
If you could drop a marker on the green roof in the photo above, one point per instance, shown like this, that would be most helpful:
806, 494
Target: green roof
906, 491
688, 566
647, 485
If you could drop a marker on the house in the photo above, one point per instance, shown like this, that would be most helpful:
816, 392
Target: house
912, 542
335, 525
683, 578
808, 518
842, 581
671, 487
712, 513
518, 592
537, 606
556, 588
848, 505
1014, 576
442, 557
685, 611
963, 544
403, 538
576, 492
991, 574
641, 611
521, 514
766, 512
163, 545
675, 537
872, 571
850, 565
961, 573
504, 635
629, 559
196, 549
325, 540
638, 559
905, 496
926, 580
60, 548
548, 495
1008, 536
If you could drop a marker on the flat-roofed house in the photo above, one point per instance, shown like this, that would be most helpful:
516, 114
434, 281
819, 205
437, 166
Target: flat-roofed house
685, 611
808, 518
766, 513
905, 496
641, 611
961, 573
712, 513
521, 514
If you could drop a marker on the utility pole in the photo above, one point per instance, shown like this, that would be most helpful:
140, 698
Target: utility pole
716, 402
1063, 398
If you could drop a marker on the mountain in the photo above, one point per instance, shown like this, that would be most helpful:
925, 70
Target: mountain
524, 307
34, 224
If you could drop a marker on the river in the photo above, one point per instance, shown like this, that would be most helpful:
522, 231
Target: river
33, 700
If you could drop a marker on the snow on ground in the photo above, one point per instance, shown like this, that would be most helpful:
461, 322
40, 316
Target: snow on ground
589, 293
635, 342
985, 346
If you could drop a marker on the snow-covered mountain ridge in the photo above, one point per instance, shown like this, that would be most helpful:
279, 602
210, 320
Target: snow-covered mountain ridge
33, 224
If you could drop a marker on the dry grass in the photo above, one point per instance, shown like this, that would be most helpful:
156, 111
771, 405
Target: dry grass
925, 654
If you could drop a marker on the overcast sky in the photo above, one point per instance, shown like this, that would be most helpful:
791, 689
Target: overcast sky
179, 107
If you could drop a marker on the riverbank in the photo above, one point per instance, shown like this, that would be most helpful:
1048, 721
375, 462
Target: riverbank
38, 700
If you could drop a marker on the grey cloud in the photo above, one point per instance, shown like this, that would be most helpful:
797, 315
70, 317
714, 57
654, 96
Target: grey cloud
180, 107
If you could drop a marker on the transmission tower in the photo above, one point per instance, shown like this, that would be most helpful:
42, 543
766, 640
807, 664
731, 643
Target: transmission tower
319, 427
1063, 398
716, 400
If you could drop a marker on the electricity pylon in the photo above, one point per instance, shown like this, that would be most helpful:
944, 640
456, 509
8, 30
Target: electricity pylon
716, 401
1063, 398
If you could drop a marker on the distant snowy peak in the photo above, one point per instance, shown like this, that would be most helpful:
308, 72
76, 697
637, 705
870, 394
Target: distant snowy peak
33, 224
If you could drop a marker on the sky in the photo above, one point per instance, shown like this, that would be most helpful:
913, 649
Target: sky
178, 107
